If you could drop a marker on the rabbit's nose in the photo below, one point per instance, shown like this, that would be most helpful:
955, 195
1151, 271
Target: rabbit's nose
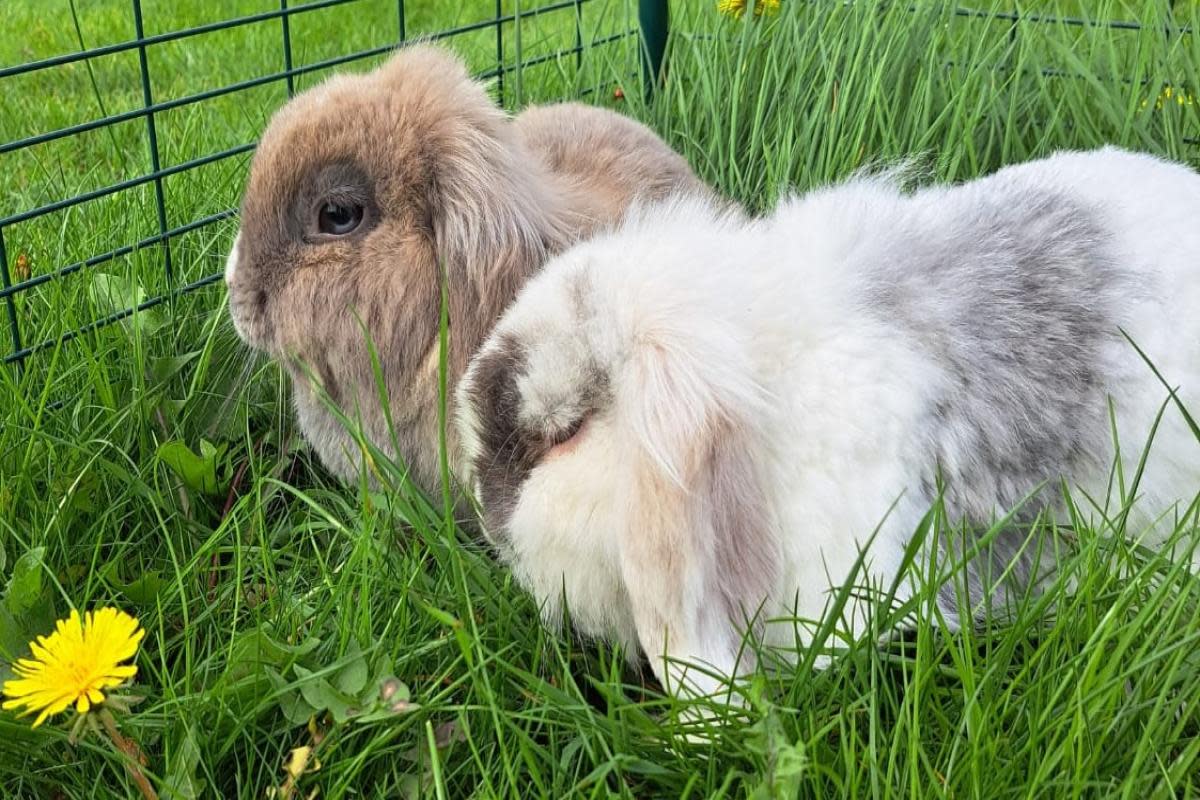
231, 261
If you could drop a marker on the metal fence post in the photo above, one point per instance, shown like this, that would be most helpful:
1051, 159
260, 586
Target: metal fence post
500, 51
6, 282
654, 19
287, 47
155, 165
578, 35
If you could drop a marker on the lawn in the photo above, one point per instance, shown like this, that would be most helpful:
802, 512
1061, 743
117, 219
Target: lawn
152, 464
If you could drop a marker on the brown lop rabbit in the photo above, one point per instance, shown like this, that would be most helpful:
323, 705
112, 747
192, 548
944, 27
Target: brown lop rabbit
363, 188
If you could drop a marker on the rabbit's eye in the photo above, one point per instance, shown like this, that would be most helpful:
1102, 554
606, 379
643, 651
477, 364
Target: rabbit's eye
339, 219
566, 434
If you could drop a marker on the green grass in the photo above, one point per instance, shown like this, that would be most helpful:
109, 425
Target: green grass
264, 583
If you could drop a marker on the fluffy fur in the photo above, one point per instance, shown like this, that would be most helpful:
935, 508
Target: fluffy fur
446, 179
696, 421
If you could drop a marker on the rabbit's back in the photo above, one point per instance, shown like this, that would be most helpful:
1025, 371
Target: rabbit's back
608, 159
1041, 273
973, 340
1017, 291
1013, 290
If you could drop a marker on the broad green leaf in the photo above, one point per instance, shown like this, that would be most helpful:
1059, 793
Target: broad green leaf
165, 368
112, 294
351, 678
79, 490
143, 590
198, 473
182, 781
293, 705
390, 689
171, 407
320, 694
257, 648
17, 631
14, 641
295, 709
25, 586
386, 698
210, 451
409, 787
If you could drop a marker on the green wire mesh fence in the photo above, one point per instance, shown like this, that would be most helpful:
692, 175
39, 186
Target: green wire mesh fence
144, 163
148, 157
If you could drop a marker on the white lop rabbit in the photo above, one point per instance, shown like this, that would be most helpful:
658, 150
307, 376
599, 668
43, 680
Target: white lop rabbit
697, 418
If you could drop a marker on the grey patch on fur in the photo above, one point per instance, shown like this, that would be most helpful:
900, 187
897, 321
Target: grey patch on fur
505, 457
1015, 293
513, 441
579, 293
746, 562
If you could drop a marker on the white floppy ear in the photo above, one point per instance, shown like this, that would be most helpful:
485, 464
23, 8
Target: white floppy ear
697, 547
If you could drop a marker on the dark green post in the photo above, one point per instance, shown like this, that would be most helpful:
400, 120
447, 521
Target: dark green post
654, 19
13, 328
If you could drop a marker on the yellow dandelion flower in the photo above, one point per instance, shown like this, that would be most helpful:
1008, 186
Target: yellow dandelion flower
75, 664
738, 7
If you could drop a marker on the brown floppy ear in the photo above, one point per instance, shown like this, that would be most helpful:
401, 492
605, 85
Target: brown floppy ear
495, 218
493, 211
698, 551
